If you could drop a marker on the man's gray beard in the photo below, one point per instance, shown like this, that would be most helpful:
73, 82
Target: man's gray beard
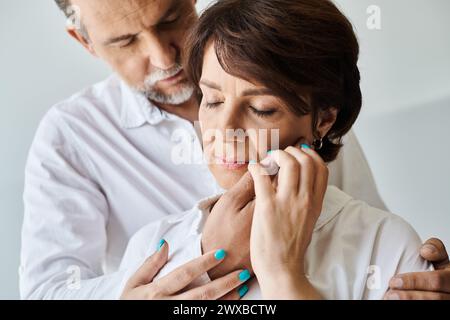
183, 95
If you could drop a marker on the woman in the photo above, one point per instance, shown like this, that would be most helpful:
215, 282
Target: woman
288, 67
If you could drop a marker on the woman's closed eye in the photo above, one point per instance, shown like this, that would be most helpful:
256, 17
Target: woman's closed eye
263, 113
259, 112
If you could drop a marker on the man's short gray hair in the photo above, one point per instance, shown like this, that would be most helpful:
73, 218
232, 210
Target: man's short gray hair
64, 6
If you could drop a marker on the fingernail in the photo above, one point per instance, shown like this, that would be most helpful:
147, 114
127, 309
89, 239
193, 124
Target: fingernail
244, 275
397, 283
305, 146
252, 162
428, 249
392, 296
220, 254
243, 290
269, 152
160, 244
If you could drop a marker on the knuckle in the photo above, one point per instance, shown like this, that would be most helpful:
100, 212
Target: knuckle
183, 275
435, 281
206, 294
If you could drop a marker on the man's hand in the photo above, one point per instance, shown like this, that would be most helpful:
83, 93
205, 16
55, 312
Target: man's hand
229, 225
432, 285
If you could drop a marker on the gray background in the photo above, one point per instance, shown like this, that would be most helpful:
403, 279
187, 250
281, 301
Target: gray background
403, 128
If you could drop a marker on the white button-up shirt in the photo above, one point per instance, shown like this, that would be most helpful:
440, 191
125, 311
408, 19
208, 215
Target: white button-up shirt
103, 164
354, 251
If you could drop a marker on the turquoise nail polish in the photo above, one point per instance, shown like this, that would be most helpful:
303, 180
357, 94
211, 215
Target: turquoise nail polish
252, 162
244, 275
220, 254
269, 152
160, 244
243, 290
305, 146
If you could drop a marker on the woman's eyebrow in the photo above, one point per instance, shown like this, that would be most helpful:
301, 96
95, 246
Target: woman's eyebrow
257, 92
211, 84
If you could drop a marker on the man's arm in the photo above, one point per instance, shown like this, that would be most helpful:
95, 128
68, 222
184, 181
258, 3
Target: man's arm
64, 228
432, 285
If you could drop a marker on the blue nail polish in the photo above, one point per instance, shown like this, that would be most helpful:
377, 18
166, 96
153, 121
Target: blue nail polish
220, 254
305, 146
243, 290
244, 275
160, 244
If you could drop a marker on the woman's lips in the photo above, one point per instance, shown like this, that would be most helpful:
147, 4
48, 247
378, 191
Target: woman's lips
231, 164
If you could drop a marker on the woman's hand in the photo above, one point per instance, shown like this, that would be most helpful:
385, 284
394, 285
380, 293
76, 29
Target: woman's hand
284, 220
142, 287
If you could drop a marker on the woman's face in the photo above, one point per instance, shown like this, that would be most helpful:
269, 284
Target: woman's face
242, 121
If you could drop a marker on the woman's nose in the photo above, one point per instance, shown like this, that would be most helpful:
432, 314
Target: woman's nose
230, 121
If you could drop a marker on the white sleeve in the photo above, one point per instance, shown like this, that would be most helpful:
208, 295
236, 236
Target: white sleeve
64, 228
351, 173
396, 251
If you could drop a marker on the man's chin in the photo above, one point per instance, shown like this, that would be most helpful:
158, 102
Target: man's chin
175, 95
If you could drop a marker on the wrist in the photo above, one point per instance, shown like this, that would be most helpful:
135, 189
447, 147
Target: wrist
287, 286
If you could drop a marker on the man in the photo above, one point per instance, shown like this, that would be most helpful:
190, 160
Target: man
102, 162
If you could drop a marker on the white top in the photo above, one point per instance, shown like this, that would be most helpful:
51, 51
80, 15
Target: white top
105, 163
355, 248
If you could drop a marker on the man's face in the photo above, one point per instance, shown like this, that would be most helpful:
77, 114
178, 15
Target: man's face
142, 41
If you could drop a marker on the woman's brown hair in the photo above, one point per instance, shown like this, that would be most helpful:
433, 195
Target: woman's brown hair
304, 50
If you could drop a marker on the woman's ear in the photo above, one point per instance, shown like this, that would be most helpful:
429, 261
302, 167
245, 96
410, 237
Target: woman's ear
326, 120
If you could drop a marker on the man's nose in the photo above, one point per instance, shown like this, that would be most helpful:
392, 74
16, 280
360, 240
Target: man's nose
162, 53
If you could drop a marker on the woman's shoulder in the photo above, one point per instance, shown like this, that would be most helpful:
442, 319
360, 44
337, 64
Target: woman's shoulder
365, 247
390, 237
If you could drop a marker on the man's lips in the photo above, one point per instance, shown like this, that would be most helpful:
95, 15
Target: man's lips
173, 78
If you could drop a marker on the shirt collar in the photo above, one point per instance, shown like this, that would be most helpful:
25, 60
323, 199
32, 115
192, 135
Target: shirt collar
136, 109
334, 201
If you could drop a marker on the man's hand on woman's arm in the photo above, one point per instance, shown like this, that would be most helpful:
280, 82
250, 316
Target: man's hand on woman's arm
431, 285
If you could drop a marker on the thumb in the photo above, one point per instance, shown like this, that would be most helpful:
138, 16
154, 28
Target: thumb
263, 183
242, 192
433, 250
151, 266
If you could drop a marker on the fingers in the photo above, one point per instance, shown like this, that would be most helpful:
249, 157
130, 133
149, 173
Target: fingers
217, 288
262, 182
434, 251
289, 173
184, 275
422, 281
237, 294
415, 295
322, 173
145, 274
307, 170
242, 192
